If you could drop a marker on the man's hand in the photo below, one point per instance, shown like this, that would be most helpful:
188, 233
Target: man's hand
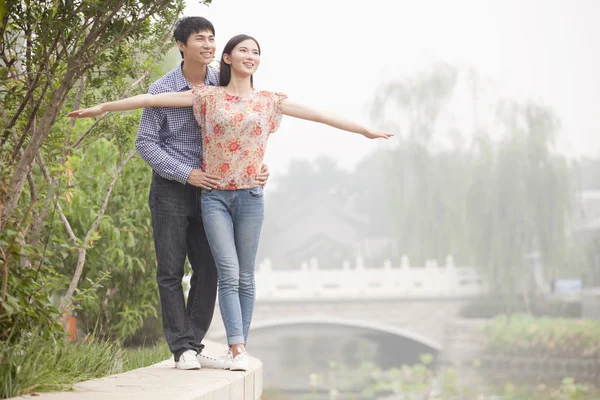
203, 180
263, 176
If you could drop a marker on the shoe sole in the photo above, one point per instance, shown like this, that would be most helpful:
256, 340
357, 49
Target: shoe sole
213, 367
188, 368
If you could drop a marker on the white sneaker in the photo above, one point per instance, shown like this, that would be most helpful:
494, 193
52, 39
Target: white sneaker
239, 362
211, 362
188, 360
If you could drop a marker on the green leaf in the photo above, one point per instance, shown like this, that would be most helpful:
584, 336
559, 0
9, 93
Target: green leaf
2, 13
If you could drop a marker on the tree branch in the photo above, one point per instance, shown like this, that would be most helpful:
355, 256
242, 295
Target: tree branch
5, 276
131, 27
67, 300
34, 237
61, 214
31, 120
47, 121
88, 130
32, 191
145, 74
76, 105
99, 27
24, 102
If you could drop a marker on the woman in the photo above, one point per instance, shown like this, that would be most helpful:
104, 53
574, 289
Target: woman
236, 121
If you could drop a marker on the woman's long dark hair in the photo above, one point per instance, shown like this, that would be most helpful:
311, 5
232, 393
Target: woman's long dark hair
225, 72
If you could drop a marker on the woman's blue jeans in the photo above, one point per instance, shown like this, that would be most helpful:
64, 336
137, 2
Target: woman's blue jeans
232, 221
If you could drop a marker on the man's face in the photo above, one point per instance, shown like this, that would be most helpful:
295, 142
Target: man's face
200, 47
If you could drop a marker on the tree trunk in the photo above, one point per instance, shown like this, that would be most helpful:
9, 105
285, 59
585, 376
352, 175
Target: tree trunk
18, 180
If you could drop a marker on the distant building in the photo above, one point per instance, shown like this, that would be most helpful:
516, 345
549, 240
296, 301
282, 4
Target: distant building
321, 227
325, 226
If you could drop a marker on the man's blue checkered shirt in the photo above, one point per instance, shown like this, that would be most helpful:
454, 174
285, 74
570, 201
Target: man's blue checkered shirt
169, 137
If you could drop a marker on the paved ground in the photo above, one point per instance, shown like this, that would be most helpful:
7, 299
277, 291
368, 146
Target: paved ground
163, 382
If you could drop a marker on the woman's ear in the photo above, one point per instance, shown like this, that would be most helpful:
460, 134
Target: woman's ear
227, 58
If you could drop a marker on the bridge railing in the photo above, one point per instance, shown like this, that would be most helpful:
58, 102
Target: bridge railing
360, 281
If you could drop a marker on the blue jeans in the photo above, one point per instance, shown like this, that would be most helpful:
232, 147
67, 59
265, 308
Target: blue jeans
232, 221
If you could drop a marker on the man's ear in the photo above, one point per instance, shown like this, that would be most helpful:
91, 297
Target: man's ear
180, 45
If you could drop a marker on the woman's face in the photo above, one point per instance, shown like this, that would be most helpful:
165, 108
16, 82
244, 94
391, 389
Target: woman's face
245, 58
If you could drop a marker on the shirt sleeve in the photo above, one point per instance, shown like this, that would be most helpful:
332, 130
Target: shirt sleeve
147, 143
275, 118
200, 94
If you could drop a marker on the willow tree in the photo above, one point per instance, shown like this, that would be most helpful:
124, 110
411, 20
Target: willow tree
528, 192
492, 201
425, 182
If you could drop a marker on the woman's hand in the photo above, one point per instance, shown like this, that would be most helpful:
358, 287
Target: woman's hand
86, 112
372, 134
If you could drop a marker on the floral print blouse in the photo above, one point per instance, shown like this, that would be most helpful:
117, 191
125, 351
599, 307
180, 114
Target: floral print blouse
235, 132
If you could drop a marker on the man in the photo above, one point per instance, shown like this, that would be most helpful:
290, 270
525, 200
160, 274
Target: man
169, 141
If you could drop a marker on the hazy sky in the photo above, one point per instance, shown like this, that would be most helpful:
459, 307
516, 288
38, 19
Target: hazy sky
333, 54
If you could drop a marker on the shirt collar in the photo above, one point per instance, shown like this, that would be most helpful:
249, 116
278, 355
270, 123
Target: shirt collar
212, 78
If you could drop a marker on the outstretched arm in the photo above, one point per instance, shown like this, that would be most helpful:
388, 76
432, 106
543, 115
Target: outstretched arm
170, 99
311, 114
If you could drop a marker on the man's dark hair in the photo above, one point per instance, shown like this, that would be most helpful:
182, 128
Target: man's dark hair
187, 26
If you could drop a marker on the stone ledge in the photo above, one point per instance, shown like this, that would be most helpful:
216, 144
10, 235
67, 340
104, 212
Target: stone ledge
162, 381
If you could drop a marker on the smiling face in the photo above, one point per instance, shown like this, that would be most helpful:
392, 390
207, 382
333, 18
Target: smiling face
200, 47
244, 58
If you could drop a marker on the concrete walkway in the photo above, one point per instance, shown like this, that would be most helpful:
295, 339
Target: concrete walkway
163, 382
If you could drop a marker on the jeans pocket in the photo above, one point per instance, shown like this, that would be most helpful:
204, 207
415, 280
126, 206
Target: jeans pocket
256, 192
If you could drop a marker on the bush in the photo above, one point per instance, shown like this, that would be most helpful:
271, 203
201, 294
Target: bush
420, 381
491, 306
527, 336
26, 303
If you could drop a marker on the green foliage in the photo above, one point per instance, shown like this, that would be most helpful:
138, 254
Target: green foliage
55, 175
26, 302
527, 336
421, 381
123, 246
32, 363
489, 306
415, 381
567, 390
138, 357
76, 53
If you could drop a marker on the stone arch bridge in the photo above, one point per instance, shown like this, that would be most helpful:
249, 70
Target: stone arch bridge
327, 314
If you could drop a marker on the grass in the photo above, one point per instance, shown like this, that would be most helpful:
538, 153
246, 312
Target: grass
144, 356
35, 364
